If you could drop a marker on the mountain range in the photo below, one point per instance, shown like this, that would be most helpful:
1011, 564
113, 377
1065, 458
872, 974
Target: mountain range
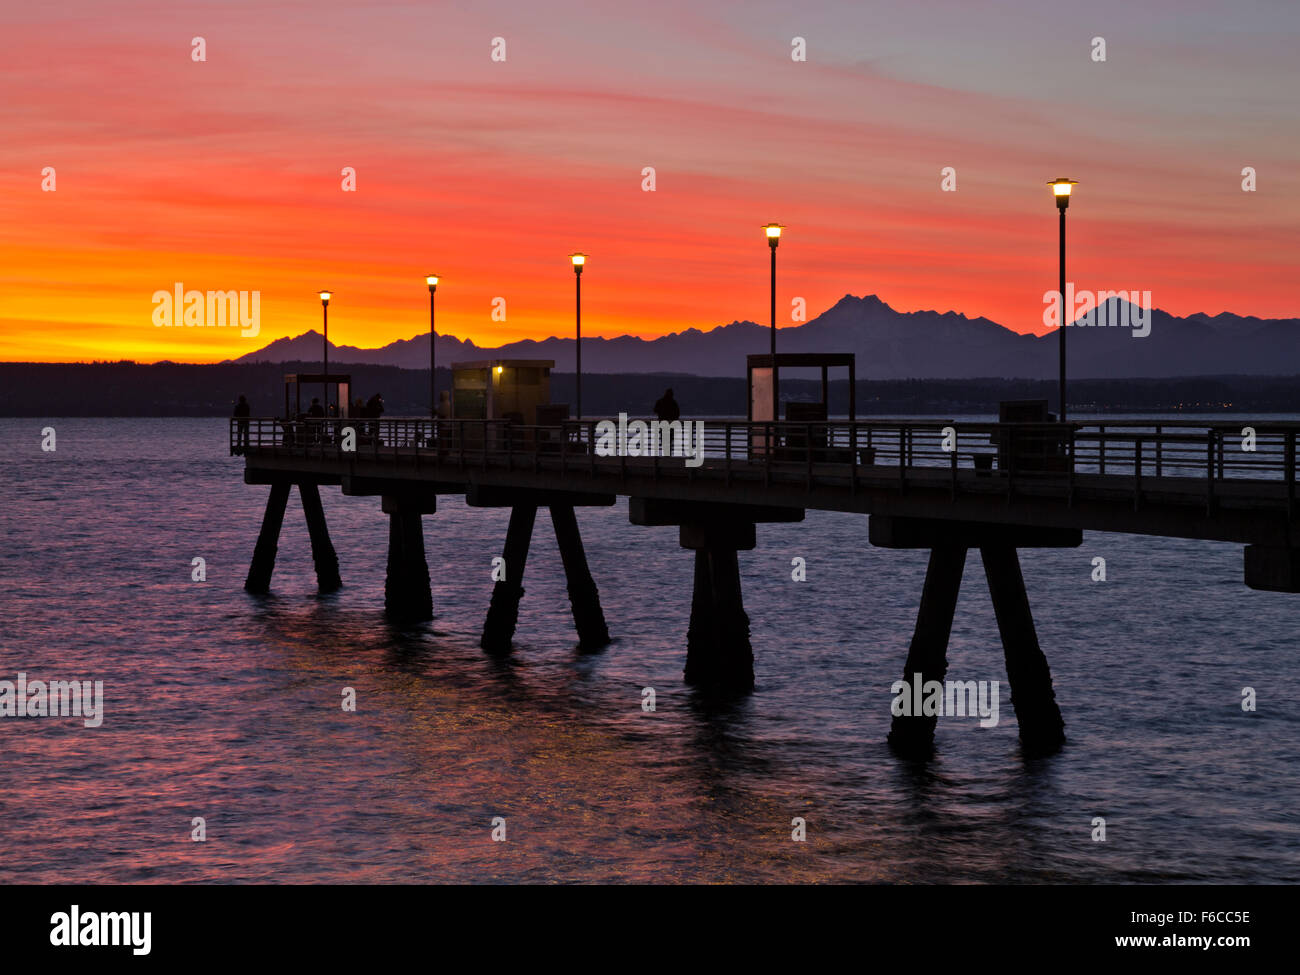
888, 344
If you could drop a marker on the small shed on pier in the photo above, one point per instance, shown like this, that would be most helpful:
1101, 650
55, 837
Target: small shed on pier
500, 389
763, 376
762, 383
338, 383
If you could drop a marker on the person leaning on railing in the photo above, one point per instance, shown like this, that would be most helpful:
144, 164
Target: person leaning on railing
373, 411
241, 414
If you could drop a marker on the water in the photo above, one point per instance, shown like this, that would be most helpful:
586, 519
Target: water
226, 706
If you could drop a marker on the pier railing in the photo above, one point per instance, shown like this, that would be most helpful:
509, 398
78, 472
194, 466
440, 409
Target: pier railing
1139, 452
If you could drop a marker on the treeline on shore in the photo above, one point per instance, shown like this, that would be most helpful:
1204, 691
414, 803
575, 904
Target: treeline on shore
175, 389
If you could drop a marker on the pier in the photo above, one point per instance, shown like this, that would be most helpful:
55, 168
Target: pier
944, 486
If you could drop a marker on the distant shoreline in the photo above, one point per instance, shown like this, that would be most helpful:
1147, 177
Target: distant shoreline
128, 389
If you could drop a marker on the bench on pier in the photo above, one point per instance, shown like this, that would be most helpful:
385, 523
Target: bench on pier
1039, 446
552, 433
796, 444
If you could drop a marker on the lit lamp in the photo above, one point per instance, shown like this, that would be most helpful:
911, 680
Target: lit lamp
773, 231
325, 348
1061, 190
432, 281
578, 260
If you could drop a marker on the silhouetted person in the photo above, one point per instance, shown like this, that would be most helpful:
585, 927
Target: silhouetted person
314, 412
374, 410
666, 407
444, 405
241, 414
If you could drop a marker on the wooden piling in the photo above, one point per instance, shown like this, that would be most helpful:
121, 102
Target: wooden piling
268, 540
699, 632
407, 596
719, 656
584, 597
1042, 730
322, 549
912, 736
503, 611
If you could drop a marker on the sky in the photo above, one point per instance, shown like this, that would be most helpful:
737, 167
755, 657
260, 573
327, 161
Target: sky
227, 173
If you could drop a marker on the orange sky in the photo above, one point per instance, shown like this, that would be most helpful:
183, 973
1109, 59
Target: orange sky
225, 174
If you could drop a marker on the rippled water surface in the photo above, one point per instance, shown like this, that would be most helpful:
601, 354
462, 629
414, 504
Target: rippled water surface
226, 706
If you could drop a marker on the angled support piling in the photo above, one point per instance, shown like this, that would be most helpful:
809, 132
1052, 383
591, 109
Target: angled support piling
322, 549
268, 539
1042, 730
503, 611
584, 598
912, 736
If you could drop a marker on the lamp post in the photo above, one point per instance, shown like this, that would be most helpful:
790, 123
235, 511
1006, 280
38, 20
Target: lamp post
432, 281
773, 231
578, 259
325, 349
1061, 190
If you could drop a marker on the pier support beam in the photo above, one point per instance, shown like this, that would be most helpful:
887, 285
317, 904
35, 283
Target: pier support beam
912, 736
503, 611
494, 496
699, 632
1273, 569
322, 549
268, 539
719, 656
1042, 731
407, 596
584, 598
